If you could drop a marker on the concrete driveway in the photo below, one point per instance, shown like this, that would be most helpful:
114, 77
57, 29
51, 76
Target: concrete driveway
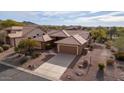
56, 66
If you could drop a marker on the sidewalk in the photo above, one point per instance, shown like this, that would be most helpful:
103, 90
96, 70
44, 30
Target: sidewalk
27, 71
6, 53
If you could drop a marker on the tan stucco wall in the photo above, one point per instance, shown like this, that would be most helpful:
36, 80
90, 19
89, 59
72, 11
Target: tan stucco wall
17, 40
80, 48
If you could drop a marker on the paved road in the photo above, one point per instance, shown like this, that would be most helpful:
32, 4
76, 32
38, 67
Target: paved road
11, 74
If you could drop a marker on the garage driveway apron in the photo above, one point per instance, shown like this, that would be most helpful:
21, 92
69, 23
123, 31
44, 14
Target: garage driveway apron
56, 66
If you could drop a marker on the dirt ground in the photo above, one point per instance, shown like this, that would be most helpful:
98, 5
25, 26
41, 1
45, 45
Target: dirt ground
74, 73
91, 72
14, 59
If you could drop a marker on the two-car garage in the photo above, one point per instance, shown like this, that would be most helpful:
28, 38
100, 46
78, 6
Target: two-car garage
71, 45
69, 49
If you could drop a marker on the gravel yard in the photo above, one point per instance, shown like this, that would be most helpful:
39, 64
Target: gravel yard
77, 72
16, 59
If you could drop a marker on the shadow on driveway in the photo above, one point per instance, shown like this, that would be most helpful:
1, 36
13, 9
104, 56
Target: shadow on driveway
100, 75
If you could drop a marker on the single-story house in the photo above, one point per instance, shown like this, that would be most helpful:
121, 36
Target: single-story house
66, 33
71, 45
16, 33
58, 35
44, 41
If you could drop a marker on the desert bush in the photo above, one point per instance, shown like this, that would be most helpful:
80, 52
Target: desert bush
101, 66
6, 46
110, 62
85, 63
120, 55
35, 55
16, 49
1, 49
26, 46
108, 44
48, 46
114, 50
23, 60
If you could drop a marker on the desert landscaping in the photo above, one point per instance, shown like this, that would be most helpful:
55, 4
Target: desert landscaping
65, 53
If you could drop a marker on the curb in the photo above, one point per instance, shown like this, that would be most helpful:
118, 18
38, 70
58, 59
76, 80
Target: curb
28, 71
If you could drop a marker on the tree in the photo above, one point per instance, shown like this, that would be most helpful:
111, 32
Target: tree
119, 42
112, 32
9, 23
2, 37
27, 46
99, 34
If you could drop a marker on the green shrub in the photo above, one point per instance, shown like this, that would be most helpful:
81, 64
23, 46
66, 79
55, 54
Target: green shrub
35, 55
48, 46
120, 55
16, 49
1, 49
101, 66
6, 46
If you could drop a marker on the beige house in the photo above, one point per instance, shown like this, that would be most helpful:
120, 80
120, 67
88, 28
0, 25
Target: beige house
43, 40
16, 33
65, 41
71, 45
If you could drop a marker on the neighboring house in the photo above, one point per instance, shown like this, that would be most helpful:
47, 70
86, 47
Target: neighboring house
16, 33
73, 27
44, 41
66, 41
71, 45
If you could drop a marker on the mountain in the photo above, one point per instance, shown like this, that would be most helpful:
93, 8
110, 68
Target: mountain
28, 23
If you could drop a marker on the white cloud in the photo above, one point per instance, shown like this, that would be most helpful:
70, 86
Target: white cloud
93, 12
103, 19
54, 13
106, 17
66, 17
112, 19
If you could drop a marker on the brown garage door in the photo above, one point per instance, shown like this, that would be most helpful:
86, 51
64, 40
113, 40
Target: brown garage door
68, 49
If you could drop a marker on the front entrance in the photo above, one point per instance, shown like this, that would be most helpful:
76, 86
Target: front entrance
8, 40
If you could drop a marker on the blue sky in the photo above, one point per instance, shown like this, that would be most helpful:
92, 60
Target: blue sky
84, 18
